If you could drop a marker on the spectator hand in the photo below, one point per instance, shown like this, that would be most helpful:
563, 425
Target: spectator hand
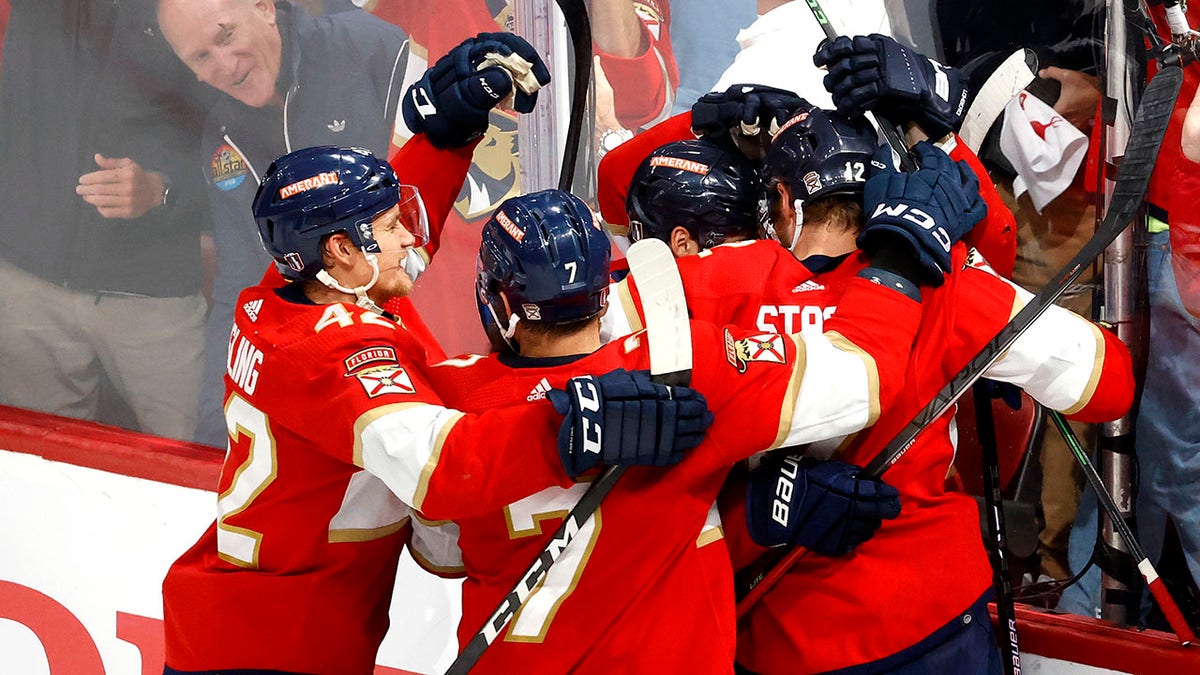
874, 72
451, 102
824, 506
622, 417
121, 188
1078, 97
746, 109
921, 214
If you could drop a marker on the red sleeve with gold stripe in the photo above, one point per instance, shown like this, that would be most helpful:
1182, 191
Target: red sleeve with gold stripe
616, 170
996, 235
438, 175
877, 325
379, 412
1063, 360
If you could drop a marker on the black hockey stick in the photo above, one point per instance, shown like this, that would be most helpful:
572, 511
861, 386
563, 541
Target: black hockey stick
1157, 588
886, 129
669, 336
1149, 125
993, 500
580, 28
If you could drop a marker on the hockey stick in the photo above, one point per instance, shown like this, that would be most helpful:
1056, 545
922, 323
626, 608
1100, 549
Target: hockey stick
580, 28
1009, 78
670, 341
993, 499
886, 129
1150, 123
1157, 588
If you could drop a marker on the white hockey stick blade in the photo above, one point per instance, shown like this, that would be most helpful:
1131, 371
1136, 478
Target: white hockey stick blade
665, 308
1009, 78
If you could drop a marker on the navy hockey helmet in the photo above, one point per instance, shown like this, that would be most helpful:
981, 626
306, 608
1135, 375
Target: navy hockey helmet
819, 153
709, 189
313, 192
547, 256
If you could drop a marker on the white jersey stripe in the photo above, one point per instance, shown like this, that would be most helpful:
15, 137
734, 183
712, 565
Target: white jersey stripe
401, 445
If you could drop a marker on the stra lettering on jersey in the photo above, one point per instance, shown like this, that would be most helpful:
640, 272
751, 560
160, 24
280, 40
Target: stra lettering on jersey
789, 319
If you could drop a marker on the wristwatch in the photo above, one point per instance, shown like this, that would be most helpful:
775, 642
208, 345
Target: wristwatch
611, 139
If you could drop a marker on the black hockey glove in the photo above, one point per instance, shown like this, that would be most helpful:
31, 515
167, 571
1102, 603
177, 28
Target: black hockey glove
824, 506
874, 72
451, 102
919, 215
746, 109
622, 417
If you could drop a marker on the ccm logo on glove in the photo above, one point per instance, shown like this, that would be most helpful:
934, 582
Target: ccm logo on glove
589, 403
918, 217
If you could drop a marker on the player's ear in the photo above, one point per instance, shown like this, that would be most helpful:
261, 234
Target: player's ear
681, 242
337, 250
780, 195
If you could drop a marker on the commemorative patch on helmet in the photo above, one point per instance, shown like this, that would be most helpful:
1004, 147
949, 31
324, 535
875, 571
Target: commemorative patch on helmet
763, 348
812, 181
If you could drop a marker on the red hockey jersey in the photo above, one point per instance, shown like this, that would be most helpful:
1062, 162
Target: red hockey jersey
642, 588
927, 566
1064, 361
335, 433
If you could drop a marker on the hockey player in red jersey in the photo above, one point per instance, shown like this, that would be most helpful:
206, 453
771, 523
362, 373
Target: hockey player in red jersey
1063, 361
336, 436
877, 611
646, 587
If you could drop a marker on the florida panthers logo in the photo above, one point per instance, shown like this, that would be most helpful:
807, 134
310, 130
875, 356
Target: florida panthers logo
764, 348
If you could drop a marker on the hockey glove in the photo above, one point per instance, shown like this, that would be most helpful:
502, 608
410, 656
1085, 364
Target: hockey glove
746, 109
874, 72
622, 417
451, 102
824, 506
920, 214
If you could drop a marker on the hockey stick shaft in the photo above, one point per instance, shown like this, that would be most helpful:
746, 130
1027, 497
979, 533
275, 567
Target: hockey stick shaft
993, 499
562, 537
888, 130
580, 28
1153, 115
652, 266
1157, 588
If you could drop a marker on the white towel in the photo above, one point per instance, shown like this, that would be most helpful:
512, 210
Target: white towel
1044, 148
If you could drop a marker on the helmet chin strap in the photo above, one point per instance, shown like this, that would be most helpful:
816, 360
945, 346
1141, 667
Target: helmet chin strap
798, 206
798, 209
358, 291
510, 331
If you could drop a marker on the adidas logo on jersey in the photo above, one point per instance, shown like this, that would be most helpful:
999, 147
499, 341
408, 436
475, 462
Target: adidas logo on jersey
809, 285
251, 308
539, 392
